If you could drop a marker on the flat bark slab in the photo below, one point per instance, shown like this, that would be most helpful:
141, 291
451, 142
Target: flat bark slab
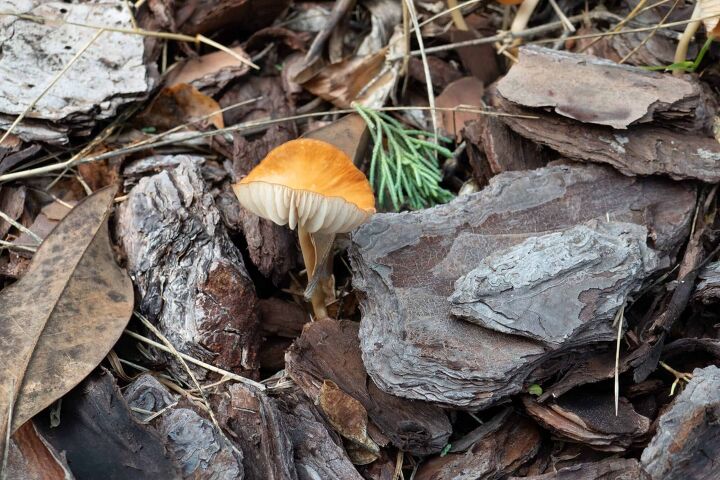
686, 442
34, 52
641, 150
190, 276
406, 266
611, 468
99, 433
502, 445
193, 442
560, 287
594, 90
329, 350
589, 418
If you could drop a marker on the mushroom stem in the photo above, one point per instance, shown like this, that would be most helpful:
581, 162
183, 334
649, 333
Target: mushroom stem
522, 18
684, 42
308, 252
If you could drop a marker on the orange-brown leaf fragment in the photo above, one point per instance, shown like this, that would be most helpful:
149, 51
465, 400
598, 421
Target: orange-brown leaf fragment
180, 104
349, 418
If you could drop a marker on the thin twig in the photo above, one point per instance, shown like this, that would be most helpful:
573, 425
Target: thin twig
197, 362
52, 83
619, 317
20, 227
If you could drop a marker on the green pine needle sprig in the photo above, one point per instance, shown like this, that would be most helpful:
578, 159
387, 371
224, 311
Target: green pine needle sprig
403, 165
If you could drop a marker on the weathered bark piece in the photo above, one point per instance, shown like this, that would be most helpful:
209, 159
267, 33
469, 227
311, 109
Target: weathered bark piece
102, 439
34, 52
318, 453
611, 468
406, 265
504, 150
559, 287
193, 442
242, 15
501, 448
258, 427
190, 276
594, 90
329, 350
686, 442
12, 204
640, 150
708, 288
282, 318
589, 418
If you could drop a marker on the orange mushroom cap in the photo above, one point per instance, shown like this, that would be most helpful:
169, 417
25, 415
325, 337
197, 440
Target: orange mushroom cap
308, 183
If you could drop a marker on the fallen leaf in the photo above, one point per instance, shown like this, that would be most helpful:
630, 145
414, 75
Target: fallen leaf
710, 11
350, 419
180, 104
81, 301
466, 92
214, 69
30, 457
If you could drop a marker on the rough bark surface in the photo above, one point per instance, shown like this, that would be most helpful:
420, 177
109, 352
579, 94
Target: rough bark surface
499, 449
589, 418
98, 433
113, 65
708, 288
562, 287
504, 150
406, 265
193, 442
609, 469
640, 150
594, 90
190, 276
329, 350
686, 442
318, 453
258, 427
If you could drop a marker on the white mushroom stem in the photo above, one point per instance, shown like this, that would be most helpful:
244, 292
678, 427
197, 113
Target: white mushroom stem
687, 36
308, 252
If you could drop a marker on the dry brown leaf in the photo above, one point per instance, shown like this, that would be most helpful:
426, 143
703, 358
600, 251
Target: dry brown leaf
466, 92
30, 457
180, 104
81, 301
212, 69
708, 8
349, 418
342, 83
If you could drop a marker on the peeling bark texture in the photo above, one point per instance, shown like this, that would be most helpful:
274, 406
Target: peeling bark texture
318, 453
329, 350
33, 53
589, 418
641, 150
191, 278
686, 442
258, 427
594, 90
708, 288
502, 447
609, 469
98, 433
193, 442
405, 266
563, 287
504, 150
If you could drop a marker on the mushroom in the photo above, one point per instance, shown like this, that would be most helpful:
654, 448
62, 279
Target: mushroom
314, 186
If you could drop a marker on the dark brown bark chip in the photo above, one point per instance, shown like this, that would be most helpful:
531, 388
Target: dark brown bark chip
608, 469
405, 267
329, 350
686, 444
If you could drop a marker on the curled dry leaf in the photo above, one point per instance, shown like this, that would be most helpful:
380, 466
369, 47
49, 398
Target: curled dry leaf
214, 70
179, 104
350, 419
466, 92
708, 8
31, 457
81, 301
